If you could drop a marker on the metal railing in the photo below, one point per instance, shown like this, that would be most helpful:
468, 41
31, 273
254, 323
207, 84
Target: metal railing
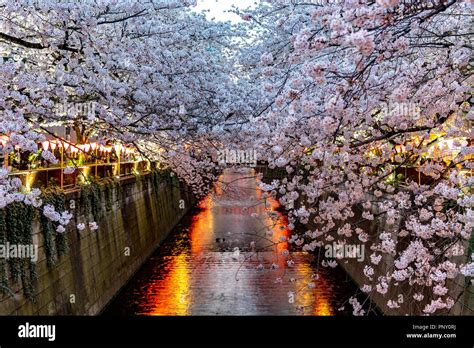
42, 177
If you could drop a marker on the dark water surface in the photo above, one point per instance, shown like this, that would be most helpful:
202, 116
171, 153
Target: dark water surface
199, 271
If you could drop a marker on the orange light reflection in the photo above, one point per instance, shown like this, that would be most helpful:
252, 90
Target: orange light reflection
170, 296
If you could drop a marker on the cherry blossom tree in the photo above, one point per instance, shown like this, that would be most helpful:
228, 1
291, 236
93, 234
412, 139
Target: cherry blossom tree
157, 75
351, 93
342, 95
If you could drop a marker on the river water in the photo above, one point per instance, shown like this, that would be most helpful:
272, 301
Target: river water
222, 260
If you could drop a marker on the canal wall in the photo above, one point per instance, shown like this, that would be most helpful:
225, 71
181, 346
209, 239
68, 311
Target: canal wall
402, 293
458, 288
79, 272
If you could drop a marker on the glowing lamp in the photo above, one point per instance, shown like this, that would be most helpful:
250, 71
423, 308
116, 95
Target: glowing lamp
45, 145
3, 140
66, 145
93, 146
86, 147
399, 148
53, 146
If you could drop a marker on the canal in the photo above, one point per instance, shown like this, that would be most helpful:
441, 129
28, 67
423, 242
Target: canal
228, 257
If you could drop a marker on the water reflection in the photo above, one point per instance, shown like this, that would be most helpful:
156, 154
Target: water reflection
222, 259
173, 288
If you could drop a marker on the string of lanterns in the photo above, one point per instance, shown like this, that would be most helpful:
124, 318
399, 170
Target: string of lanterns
52, 145
86, 148
94, 149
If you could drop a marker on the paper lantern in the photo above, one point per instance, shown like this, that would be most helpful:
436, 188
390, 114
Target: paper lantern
45, 145
399, 148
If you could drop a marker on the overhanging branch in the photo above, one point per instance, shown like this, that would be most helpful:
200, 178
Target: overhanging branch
34, 45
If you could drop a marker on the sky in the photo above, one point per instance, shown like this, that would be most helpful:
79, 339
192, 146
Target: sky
218, 8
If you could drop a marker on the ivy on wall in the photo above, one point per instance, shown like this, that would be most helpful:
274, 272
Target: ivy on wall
28, 268
55, 243
109, 185
159, 176
16, 228
16, 222
91, 201
3, 264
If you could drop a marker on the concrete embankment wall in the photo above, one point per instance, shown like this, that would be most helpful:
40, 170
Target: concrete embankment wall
402, 292
134, 215
461, 291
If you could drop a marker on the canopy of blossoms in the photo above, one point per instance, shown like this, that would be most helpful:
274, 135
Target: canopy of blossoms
346, 96
352, 94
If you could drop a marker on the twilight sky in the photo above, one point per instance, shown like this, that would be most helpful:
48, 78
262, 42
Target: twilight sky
218, 8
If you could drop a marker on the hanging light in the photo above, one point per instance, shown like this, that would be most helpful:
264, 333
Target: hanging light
93, 146
86, 147
117, 148
66, 145
3, 139
45, 145
400, 148
53, 145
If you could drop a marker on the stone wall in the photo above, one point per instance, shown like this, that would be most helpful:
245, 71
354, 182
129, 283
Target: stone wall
140, 214
402, 293
458, 288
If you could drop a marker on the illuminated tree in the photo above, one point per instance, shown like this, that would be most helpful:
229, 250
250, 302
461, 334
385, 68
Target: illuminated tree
352, 93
